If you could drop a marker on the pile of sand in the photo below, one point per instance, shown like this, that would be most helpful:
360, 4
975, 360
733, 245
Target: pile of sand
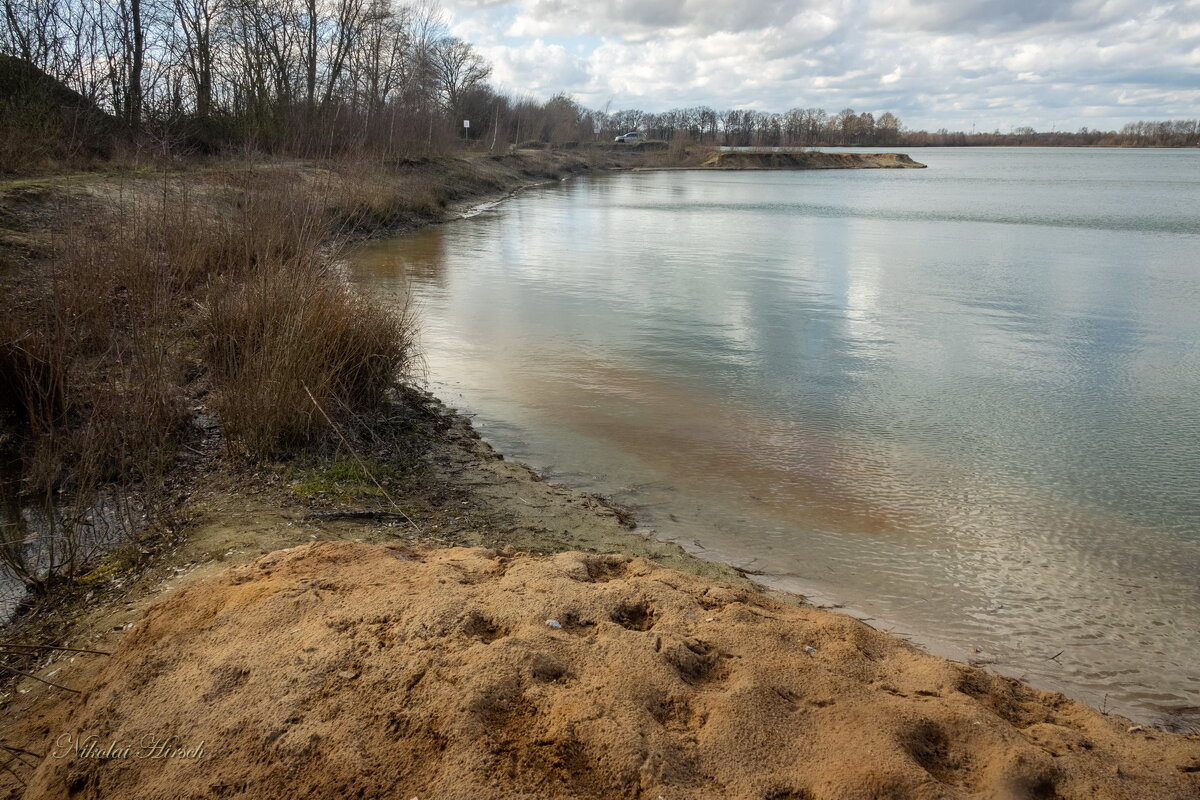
768, 159
340, 670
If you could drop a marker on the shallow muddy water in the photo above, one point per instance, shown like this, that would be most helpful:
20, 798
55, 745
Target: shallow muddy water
961, 401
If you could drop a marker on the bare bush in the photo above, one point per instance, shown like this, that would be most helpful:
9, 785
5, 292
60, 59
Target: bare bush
222, 297
293, 327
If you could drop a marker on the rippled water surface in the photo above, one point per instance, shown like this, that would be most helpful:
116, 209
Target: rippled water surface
962, 401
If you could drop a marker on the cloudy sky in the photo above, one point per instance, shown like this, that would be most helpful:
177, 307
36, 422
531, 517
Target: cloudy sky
956, 63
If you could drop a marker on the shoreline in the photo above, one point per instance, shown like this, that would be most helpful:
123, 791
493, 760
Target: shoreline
831, 596
765, 577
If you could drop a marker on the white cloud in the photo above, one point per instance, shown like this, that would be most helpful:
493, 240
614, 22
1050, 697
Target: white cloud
934, 62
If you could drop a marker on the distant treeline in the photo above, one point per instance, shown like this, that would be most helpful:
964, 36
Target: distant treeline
802, 127
1164, 133
327, 77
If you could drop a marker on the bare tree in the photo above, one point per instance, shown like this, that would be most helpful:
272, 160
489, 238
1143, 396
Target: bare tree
458, 69
29, 30
888, 129
136, 57
847, 122
196, 20
346, 27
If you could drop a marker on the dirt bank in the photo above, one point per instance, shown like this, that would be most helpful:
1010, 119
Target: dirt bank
368, 197
353, 670
741, 159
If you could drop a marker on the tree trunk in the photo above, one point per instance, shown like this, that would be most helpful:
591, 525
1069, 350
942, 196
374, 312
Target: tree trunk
137, 56
311, 84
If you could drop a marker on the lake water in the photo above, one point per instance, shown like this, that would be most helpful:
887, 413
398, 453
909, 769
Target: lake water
963, 402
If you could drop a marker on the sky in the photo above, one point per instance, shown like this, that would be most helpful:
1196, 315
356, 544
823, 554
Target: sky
960, 64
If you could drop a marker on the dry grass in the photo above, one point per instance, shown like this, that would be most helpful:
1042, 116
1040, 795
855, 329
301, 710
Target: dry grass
289, 330
215, 295
92, 403
367, 201
179, 297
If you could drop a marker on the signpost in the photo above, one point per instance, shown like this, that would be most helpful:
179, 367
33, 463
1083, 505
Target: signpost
466, 129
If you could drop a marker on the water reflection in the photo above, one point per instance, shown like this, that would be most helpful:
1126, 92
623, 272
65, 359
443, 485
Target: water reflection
423, 262
961, 399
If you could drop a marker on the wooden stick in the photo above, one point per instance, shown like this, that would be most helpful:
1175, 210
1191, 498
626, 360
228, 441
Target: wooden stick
12, 748
361, 463
10, 771
36, 678
55, 647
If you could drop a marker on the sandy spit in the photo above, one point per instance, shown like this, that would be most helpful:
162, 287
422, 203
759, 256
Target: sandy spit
811, 159
350, 670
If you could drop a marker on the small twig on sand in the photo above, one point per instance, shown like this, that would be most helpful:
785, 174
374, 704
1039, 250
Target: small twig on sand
376, 516
6, 645
19, 751
357, 458
18, 758
5, 766
24, 674
1056, 655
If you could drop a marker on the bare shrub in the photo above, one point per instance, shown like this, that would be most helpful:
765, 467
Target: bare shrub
368, 196
293, 326
92, 408
178, 296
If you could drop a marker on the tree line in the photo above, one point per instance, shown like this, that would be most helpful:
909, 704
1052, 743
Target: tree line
810, 127
313, 77
296, 75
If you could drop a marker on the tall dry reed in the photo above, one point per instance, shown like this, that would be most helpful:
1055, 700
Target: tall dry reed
206, 294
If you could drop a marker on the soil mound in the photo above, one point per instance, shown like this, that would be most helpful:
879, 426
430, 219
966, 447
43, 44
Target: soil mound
342, 670
42, 118
750, 159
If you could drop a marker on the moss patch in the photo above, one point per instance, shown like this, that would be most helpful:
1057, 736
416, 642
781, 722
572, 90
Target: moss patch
347, 481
